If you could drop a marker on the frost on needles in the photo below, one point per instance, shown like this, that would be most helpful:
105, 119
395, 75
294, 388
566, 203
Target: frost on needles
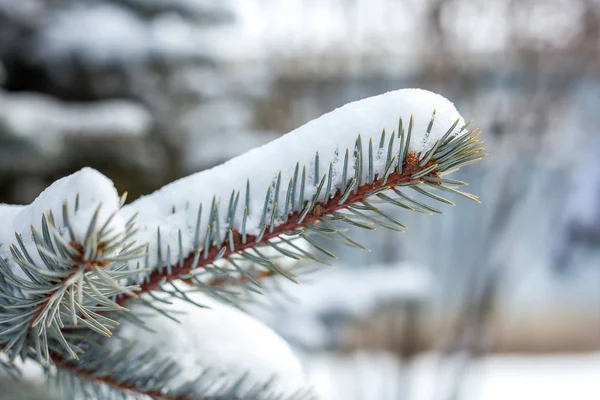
77, 260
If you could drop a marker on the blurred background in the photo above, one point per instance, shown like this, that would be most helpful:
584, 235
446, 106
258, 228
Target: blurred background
492, 301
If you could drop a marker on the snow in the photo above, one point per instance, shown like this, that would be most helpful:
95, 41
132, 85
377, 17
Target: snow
360, 376
328, 135
41, 118
565, 377
220, 337
111, 34
365, 376
93, 189
520, 376
100, 33
31, 370
381, 376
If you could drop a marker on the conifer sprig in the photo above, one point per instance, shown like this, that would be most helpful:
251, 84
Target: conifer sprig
58, 305
328, 213
71, 288
125, 374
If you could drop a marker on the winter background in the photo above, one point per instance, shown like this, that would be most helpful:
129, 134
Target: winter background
492, 301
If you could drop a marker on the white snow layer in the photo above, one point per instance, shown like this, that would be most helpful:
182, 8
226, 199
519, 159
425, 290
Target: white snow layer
93, 189
220, 337
329, 136
39, 117
381, 376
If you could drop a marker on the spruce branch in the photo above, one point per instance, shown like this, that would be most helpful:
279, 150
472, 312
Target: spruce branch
147, 376
128, 364
327, 213
72, 287
323, 216
66, 290
72, 270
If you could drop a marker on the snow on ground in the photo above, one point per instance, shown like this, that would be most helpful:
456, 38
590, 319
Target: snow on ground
328, 136
361, 376
365, 376
517, 377
380, 376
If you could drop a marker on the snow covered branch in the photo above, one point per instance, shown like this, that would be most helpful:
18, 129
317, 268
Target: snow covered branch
415, 138
65, 271
233, 223
226, 356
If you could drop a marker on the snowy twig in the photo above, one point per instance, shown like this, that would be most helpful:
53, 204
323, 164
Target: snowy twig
231, 390
160, 362
321, 198
64, 274
89, 266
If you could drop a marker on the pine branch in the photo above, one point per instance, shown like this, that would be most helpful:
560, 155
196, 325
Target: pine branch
109, 382
322, 214
76, 285
133, 364
91, 269
415, 171
72, 287
148, 377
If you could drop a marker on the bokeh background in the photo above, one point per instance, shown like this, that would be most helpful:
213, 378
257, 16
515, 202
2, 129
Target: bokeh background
492, 301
